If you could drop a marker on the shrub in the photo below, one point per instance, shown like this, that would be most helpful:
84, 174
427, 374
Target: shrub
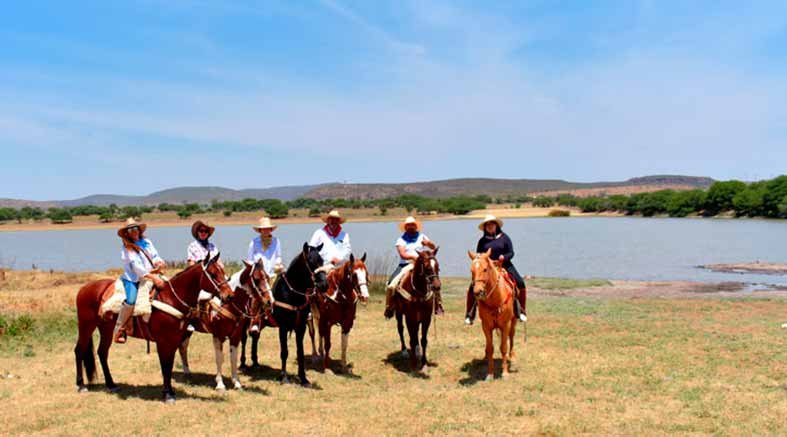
227, 213
543, 202
59, 215
559, 213
184, 213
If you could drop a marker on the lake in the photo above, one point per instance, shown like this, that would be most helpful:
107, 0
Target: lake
582, 247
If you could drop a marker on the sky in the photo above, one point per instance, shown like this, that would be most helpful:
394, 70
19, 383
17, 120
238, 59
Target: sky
141, 95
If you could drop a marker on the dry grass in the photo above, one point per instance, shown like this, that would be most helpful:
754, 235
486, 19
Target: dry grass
602, 366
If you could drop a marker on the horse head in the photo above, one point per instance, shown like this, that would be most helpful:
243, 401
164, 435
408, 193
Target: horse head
257, 280
427, 267
482, 271
213, 278
360, 276
313, 261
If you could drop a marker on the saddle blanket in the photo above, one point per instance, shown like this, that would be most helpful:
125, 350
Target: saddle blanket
115, 301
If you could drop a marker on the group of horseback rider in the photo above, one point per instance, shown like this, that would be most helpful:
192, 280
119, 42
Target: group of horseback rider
142, 265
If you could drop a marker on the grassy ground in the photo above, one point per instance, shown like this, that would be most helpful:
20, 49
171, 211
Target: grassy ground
612, 366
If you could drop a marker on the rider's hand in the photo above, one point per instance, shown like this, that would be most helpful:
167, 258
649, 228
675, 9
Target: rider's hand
501, 258
335, 261
158, 282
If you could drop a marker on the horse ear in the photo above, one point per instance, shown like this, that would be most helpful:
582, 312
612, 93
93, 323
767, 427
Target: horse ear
435, 250
488, 252
352, 258
305, 248
206, 261
319, 248
471, 254
246, 263
215, 258
363, 258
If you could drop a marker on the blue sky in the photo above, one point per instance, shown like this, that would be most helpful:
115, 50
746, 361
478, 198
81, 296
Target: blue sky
135, 96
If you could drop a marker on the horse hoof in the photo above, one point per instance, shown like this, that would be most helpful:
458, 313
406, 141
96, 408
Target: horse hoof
237, 385
255, 366
316, 359
112, 389
305, 383
405, 354
506, 375
221, 388
82, 389
169, 400
489, 378
284, 379
328, 371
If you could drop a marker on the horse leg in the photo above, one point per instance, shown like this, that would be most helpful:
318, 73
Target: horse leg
255, 341
511, 332
183, 351
166, 358
490, 351
218, 348
504, 333
310, 324
345, 341
325, 338
400, 328
283, 352
243, 336
300, 331
234, 364
424, 341
103, 356
412, 331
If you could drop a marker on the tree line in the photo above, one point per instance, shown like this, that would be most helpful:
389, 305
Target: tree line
766, 198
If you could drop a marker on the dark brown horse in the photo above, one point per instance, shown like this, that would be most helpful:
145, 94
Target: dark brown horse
163, 328
346, 285
251, 293
414, 301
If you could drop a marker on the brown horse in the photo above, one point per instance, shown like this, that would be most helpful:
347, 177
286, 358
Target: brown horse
494, 293
346, 284
227, 322
163, 328
414, 301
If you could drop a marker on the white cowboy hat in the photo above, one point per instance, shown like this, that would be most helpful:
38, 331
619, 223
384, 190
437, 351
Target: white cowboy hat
410, 221
333, 214
264, 223
490, 218
131, 223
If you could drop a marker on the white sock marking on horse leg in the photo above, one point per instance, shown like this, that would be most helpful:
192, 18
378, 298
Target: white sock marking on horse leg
345, 341
234, 366
218, 349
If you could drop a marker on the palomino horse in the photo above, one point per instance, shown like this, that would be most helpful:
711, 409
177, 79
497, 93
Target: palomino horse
415, 300
164, 328
228, 320
494, 293
346, 283
293, 293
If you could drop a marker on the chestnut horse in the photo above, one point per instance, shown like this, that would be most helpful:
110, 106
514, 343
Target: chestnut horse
163, 328
292, 298
346, 283
414, 300
494, 293
228, 321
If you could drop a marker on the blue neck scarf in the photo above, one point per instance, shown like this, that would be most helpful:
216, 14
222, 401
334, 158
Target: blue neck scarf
142, 243
410, 238
204, 243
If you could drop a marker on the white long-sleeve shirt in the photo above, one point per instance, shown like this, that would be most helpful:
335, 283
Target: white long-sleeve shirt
271, 257
135, 264
338, 247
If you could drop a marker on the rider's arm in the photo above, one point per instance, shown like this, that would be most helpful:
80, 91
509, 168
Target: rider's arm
250, 256
508, 253
403, 253
428, 243
277, 253
346, 248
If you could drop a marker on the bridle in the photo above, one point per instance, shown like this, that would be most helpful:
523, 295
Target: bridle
429, 278
309, 291
216, 286
484, 293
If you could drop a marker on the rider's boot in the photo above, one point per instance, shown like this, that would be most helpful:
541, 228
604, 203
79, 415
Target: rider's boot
389, 311
119, 335
471, 306
521, 300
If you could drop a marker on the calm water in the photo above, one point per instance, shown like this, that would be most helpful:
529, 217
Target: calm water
611, 248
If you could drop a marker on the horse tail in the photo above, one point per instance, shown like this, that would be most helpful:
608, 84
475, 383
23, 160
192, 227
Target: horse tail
89, 360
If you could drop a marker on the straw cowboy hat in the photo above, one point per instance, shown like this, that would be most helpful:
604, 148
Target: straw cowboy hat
410, 221
490, 218
131, 223
333, 214
200, 224
264, 223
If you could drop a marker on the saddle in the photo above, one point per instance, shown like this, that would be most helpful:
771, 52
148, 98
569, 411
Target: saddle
111, 302
509, 279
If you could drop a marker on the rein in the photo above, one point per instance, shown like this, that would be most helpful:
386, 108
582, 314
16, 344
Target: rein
307, 295
182, 302
498, 309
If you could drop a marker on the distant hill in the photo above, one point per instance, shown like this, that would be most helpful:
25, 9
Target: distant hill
443, 188
496, 187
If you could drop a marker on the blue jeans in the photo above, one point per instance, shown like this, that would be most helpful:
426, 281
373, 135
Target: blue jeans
131, 291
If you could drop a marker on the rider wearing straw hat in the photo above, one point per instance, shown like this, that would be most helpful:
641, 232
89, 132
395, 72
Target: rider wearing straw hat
336, 243
503, 250
141, 267
408, 245
267, 248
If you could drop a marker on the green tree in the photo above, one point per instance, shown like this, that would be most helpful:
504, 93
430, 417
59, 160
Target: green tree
776, 191
720, 196
543, 202
59, 215
751, 201
683, 203
184, 213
